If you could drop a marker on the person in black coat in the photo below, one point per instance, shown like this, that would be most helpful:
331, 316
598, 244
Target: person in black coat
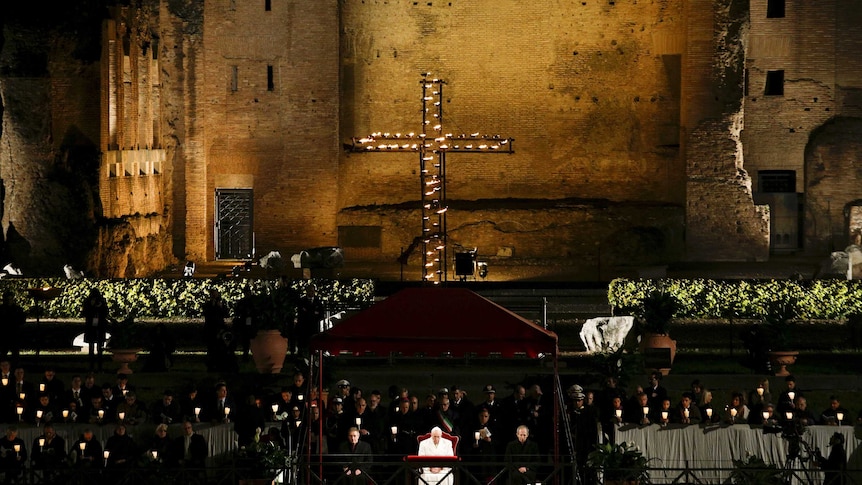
95, 313
189, 450
356, 464
12, 318
522, 458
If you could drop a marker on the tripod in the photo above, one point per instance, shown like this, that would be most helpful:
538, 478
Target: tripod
800, 455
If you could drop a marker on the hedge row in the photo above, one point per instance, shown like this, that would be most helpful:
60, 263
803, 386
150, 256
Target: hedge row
700, 298
170, 298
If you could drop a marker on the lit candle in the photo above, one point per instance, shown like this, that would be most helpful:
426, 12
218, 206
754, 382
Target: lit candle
197, 412
226, 411
274, 408
791, 395
788, 415
41, 387
65, 414
83, 446
125, 391
733, 412
17, 448
41, 442
106, 454
760, 390
121, 415
477, 435
298, 423
20, 411
646, 410
708, 412
101, 413
155, 454
394, 430
840, 416
5, 381
300, 397
664, 415
38, 414
618, 413
358, 421
22, 396
765, 415
685, 412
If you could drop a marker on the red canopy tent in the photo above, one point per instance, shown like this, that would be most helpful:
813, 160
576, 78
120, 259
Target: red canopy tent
435, 321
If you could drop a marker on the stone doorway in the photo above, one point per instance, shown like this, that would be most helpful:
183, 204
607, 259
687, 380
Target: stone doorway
234, 225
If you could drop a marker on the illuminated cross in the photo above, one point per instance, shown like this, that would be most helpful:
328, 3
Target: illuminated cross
432, 144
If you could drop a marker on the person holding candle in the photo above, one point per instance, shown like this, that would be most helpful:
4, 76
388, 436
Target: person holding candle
13, 454
686, 412
759, 397
24, 390
87, 451
835, 414
191, 404
736, 412
221, 406
49, 454
134, 411
52, 384
99, 414
159, 445
483, 447
45, 411
707, 413
786, 400
123, 449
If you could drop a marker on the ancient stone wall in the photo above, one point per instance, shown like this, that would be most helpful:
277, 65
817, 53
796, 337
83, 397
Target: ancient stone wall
815, 47
268, 114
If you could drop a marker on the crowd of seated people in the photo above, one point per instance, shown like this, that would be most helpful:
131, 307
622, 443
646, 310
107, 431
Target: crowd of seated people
388, 425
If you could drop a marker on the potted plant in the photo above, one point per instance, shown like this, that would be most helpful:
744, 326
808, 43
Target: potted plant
653, 317
621, 463
754, 471
124, 342
266, 459
273, 316
778, 319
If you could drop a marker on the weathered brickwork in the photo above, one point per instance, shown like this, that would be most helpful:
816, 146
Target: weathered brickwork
640, 127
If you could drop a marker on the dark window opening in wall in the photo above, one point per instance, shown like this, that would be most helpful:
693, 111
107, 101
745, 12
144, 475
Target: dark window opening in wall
775, 181
775, 9
774, 83
267, 5
234, 78
359, 236
270, 79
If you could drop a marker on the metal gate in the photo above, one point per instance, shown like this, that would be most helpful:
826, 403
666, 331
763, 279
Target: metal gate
234, 224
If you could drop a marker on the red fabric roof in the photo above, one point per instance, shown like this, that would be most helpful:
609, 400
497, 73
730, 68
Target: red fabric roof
434, 321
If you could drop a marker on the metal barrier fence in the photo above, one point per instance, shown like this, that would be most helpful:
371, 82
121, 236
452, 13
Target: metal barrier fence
397, 471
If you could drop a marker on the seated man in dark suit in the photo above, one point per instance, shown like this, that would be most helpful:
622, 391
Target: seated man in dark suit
357, 459
522, 458
189, 450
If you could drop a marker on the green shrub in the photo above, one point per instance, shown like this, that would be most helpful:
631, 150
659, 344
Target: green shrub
698, 298
151, 298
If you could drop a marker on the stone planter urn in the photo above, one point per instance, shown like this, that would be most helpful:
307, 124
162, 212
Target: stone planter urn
780, 359
124, 357
659, 351
268, 348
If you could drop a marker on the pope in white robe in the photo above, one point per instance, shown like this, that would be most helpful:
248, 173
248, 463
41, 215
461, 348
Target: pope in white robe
436, 446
